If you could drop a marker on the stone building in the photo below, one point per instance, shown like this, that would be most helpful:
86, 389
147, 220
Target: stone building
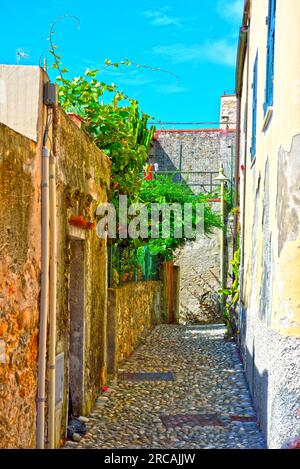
79, 293
56, 343
196, 156
268, 142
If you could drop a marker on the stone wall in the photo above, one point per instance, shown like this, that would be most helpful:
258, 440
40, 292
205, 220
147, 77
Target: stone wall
133, 310
192, 151
200, 280
82, 177
228, 111
83, 174
20, 269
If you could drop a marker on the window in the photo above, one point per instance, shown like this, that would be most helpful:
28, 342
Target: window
269, 93
254, 109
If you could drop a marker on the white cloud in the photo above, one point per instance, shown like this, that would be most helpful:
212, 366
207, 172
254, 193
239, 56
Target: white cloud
171, 89
135, 81
219, 52
61, 3
160, 17
231, 9
128, 77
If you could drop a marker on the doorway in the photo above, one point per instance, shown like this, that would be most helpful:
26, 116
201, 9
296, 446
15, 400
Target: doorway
76, 302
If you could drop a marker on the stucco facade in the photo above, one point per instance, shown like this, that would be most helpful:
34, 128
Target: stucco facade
270, 214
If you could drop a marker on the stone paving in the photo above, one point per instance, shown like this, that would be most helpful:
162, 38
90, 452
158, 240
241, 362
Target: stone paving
206, 405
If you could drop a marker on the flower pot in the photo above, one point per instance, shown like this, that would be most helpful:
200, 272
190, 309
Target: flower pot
124, 277
78, 120
80, 222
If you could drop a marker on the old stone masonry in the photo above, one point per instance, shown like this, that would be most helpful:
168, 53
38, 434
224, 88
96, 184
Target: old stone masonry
184, 387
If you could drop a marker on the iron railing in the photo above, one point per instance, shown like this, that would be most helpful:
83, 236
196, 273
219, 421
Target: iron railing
128, 265
201, 179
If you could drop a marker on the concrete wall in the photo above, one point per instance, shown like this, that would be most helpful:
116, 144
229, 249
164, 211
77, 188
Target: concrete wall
270, 313
133, 310
21, 98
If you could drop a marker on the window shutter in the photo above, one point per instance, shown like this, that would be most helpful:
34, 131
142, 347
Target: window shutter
269, 92
254, 108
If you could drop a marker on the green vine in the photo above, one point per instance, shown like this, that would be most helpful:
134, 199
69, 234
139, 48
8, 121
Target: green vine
231, 297
120, 129
165, 190
112, 119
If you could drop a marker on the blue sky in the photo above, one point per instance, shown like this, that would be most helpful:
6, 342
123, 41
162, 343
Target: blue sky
194, 39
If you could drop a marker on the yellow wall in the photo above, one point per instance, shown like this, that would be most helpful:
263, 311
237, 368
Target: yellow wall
284, 126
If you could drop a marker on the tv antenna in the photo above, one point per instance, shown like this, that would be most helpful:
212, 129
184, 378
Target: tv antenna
21, 54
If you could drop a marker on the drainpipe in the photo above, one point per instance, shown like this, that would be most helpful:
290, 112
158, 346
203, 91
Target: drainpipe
222, 179
47, 210
241, 56
231, 172
52, 309
44, 297
237, 176
245, 173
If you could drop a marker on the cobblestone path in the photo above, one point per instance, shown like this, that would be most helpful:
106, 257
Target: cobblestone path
206, 405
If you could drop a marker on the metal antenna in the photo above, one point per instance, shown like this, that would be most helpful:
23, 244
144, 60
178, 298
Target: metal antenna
21, 54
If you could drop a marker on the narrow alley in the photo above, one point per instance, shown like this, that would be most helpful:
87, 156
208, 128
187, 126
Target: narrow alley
150, 228
183, 387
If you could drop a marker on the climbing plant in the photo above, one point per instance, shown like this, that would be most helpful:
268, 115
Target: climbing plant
231, 296
164, 190
120, 129
113, 119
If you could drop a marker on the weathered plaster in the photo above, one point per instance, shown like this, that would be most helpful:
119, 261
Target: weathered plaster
272, 363
83, 178
287, 314
270, 301
19, 287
